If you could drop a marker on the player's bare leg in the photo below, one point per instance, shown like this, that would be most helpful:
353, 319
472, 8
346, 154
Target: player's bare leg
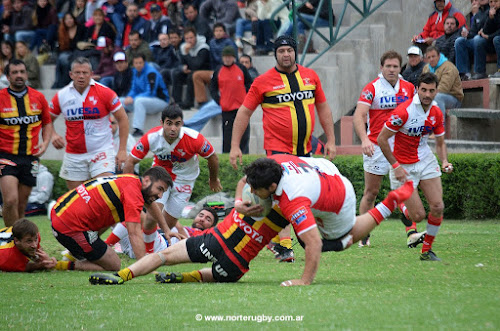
372, 187
433, 192
9, 186
24, 192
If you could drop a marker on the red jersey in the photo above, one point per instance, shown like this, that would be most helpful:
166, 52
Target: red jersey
412, 126
88, 127
308, 184
180, 158
243, 236
288, 102
99, 203
11, 258
21, 119
383, 98
229, 86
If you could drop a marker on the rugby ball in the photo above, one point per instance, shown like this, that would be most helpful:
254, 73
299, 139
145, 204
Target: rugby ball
247, 195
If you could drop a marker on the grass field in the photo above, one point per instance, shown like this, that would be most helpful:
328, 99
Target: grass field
381, 287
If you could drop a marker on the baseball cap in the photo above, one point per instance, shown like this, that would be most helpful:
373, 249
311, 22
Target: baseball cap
154, 7
228, 51
119, 56
102, 42
414, 50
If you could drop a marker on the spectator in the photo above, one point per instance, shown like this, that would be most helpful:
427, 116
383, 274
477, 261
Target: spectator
148, 94
6, 52
45, 25
41, 193
138, 46
491, 34
131, 22
307, 12
224, 11
246, 23
414, 66
122, 79
466, 45
446, 43
100, 28
229, 86
159, 23
195, 55
106, 68
33, 69
434, 28
469, 18
450, 93
194, 20
70, 33
145, 11
79, 12
21, 26
262, 29
114, 10
174, 9
5, 16
90, 7
166, 58
246, 60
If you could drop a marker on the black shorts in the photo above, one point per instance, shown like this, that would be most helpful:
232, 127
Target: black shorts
26, 168
205, 248
83, 245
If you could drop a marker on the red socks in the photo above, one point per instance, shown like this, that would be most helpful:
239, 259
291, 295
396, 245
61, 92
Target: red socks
433, 225
393, 199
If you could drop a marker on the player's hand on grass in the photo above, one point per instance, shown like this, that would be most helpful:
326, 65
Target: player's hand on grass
294, 282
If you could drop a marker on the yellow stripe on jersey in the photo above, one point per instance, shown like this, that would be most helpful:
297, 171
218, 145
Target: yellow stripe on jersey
111, 201
230, 231
242, 244
306, 104
29, 130
15, 133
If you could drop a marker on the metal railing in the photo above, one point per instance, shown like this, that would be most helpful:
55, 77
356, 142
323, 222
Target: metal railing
334, 35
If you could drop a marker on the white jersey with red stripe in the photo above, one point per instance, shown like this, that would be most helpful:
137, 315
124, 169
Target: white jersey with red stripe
413, 125
308, 185
180, 158
382, 98
88, 126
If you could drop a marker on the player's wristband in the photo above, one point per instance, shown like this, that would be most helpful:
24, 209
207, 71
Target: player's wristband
238, 202
396, 165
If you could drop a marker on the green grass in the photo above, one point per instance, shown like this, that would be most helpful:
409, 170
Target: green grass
380, 287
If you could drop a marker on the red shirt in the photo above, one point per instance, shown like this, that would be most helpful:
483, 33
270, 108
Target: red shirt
231, 83
99, 203
288, 102
21, 120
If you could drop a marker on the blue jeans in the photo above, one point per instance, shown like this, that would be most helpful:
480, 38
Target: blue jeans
203, 115
446, 101
496, 45
24, 35
302, 27
242, 25
476, 48
143, 106
107, 81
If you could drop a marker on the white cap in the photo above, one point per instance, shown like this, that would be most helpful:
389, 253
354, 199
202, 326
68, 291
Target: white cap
119, 56
415, 51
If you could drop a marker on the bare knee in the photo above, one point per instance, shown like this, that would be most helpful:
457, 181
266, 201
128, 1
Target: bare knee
370, 194
417, 216
437, 208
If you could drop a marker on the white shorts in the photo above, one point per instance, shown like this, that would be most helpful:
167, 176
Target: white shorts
82, 167
160, 244
175, 199
427, 168
334, 226
376, 164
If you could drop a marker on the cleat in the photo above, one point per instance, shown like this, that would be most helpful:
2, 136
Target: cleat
272, 247
364, 242
415, 239
67, 256
429, 256
168, 277
284, 254
105, 279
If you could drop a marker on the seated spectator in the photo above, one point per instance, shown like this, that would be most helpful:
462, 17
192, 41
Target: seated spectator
174, 10
114, 10
491, 34
148, 94
221, 11
21, 25
450, 93
79, 12
100, 28
246, 23
195, 55
474, 8
145, 11
70, 33
41, 193
201, 78
6, 52
264, 31
138, 46
446, 43
5, 16
434, 28
106, 69
45, 25
307, 12
466, 46
194, 20
415, 65
158, 23
130, 22
23, 53
246, 60
122, 79
166, 58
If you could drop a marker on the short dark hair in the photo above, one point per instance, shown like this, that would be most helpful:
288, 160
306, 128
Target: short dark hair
457, 23
247, 56
139, 55
390, 55
134, 32
13, 62
24, 227
173, 31
190, 29
159, 173
428, 78
172, 111
214, 214
263, 172
190, 4
432, 48
219, 25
